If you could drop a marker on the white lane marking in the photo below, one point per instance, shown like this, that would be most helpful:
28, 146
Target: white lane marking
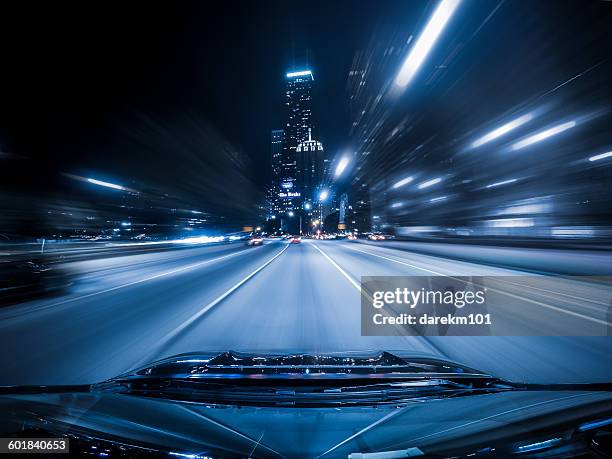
500, 280
397, 261
573, 297
350, 279
538, 303
146, 279
367, 294
172, 334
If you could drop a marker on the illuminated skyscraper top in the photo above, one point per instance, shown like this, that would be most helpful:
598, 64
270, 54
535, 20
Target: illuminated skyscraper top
298, 102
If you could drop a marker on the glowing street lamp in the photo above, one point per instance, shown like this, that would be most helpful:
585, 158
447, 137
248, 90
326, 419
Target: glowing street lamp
545, 134
341, 166
502, 130
429, 183
106, 184
601, 156
426, 41
402, 182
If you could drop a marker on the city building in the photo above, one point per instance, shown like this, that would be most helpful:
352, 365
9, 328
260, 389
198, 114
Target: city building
309, 171
298, 106
273, 190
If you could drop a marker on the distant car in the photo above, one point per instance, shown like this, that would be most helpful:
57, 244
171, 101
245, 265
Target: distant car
296, 239
379, 237
255, 240
352, 237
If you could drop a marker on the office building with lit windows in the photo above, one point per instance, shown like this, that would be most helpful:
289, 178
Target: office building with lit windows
274, 188
298, 109
309, 168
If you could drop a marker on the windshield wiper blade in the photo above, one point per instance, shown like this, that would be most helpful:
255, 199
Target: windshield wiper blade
303, 393
300, 366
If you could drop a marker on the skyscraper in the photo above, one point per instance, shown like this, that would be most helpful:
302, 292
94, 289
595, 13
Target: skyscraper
276, 153
309, 171
274, 188
298, 104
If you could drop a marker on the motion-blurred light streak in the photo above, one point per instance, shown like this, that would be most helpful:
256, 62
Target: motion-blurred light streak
511, 223
502, 130
426, 41
601, 156
504, 182
542, 135
106, 184
402, 182
341, 166
429, 183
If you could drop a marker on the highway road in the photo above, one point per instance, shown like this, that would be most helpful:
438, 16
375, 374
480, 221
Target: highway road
126, 311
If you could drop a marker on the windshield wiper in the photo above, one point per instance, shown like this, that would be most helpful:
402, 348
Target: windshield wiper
304, 393
302, 379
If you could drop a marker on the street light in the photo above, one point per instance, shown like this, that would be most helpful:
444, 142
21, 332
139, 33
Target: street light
545, 134
323, 195
429, 183
402, 182
601, 156
426, 41
290, 213
341, 166
307, 206
502, 130
105, 184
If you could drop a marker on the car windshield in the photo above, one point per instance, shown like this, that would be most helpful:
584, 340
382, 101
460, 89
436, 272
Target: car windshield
309, 206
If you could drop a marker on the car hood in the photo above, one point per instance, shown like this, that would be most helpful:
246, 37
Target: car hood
432, 425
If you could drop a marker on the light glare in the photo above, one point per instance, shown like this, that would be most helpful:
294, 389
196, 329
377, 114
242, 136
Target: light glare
323, 195
341, 166
543, 135
601, 156
505, 182
402, 182
300, 73
429, 183
426, 41
502, 130
106, 184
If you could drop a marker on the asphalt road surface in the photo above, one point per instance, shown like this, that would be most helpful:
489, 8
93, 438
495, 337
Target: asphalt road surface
126, 311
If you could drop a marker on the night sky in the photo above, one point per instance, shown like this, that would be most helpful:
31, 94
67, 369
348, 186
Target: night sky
77, 76
161, 96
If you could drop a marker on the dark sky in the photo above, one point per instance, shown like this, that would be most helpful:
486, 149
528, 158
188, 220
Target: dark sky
76, 76
162, 96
